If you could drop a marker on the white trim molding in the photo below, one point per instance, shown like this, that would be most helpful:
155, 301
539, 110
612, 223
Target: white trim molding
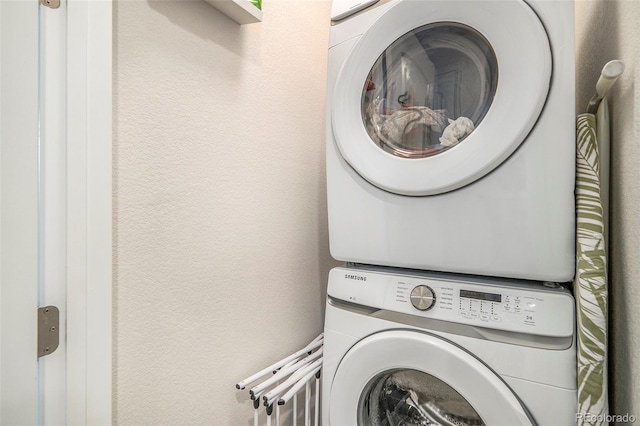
89, 243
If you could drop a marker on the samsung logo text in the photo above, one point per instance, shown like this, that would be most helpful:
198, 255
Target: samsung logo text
354, 277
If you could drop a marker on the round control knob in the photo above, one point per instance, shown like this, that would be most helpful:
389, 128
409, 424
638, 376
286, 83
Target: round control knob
423, 298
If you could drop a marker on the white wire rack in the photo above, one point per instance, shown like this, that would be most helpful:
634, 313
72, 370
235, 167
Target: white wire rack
281, 382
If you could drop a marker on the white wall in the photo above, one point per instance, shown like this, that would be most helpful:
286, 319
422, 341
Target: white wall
606, 30
221, 249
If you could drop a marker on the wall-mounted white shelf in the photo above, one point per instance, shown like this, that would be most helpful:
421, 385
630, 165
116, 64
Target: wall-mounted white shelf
241, 11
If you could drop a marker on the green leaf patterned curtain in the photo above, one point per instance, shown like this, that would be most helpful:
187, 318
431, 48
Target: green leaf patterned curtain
590, 287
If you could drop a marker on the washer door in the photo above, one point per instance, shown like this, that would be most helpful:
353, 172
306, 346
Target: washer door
436, 94
403, 377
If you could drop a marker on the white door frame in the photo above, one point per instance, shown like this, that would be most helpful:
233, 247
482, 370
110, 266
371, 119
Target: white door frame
87, 124
89, 75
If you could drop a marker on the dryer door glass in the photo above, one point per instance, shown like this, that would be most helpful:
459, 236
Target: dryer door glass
429, 90
411, 397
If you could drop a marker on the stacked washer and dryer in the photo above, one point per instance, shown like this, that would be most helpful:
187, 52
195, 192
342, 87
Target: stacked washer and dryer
450, 182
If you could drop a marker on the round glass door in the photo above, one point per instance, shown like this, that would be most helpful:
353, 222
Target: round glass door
412, 397
414, 378
429, 90
435, 95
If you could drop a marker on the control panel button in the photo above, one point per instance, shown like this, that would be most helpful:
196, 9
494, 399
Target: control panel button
423, 298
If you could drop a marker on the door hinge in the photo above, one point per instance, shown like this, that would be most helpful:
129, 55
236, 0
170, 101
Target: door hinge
48, 330
53, 4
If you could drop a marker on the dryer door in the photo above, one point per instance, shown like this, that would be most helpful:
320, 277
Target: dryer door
436, 94
402, 377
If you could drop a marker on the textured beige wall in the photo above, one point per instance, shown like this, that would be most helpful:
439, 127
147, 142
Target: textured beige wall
221, 248
606, 30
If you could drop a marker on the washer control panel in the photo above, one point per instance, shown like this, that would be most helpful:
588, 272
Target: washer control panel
518, 306
481, 305
484, 306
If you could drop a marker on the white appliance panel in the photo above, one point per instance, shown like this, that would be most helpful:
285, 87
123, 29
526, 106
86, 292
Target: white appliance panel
521, 307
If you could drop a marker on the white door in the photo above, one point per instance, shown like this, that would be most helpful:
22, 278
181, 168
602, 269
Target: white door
19, 209
55, 151
410, 377
435, 95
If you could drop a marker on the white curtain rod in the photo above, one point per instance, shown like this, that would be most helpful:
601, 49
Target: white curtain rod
609, 75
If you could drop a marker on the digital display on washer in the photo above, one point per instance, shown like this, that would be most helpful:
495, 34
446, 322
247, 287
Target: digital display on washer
490, 297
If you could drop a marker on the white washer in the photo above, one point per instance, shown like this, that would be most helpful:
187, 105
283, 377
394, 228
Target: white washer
408, 347
450, 136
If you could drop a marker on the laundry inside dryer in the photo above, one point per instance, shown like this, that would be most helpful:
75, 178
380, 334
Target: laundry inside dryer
429, 90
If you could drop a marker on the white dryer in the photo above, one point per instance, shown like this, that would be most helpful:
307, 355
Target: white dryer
405, 348
450, 136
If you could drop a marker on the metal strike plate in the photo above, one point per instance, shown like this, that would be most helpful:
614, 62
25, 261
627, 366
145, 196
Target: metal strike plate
53, 4
48, 330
